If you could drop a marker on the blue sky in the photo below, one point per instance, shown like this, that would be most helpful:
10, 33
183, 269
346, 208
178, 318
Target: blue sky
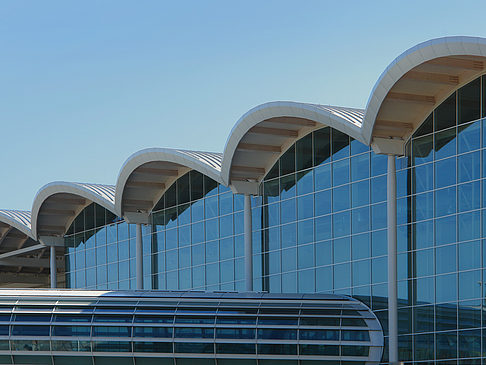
85, 84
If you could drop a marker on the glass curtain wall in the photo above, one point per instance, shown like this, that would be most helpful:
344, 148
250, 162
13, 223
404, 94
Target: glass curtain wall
197, 240
100, 251
319, 225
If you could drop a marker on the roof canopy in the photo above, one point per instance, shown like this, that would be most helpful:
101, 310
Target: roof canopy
260, 136
408, 90
417, 81
58, 203
146, 175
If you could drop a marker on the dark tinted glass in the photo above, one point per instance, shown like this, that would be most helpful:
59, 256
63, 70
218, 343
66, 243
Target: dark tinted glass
323, 350
303, 149
188, 332
235, 348
278, 349
183, 192
196, 185
354, 350
426, 127
319, 335
283, 321
71, 330
152, 332
170, 196
322, 145
210, 186
355, 336
236, 320
32, 318
30, 330
153, 319
192, 347
422, 149
277, 334
287, 161
161, 347
112, 346
325, 321
236, 333
111, 331
468, 99
445, 114
340, 144
114, 318
445, 143
358, 322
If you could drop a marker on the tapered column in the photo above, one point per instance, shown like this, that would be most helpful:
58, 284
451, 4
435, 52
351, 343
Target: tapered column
392, 261
53, 267
248, 245
139, 257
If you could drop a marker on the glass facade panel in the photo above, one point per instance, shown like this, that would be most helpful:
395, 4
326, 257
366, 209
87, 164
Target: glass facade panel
320, 226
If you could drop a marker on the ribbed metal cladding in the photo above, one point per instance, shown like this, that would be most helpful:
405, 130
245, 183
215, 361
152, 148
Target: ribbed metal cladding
140, 325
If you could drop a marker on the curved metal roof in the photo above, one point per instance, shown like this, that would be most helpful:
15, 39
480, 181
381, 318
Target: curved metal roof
410, 87
19, 219
261, 135
58, 203
417, 81
146, 175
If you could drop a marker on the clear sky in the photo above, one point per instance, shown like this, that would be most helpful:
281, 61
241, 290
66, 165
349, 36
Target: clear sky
84, 84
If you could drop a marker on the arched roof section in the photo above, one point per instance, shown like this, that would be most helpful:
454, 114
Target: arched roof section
18, 219
22, 258
265, 132
417, 81
146, 175
58, 203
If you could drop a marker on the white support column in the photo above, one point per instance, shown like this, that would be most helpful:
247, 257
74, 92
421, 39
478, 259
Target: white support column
53, 267
248, 244
392, 261
139, 257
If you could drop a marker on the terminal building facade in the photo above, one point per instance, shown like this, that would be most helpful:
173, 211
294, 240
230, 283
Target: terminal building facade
385, 205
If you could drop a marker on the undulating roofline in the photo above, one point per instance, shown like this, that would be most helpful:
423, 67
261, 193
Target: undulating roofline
405, 93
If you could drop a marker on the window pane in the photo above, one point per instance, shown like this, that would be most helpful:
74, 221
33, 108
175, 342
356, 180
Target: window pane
468, 100
322, 145
469, 137
445, 113
303, 149
445, 143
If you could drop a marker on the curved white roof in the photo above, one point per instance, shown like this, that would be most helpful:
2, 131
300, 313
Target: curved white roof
19, 219
420, 79
410, 87
279, 124
65, 200
146, 174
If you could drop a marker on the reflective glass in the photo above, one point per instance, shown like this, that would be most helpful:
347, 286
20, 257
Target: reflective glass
322, 146
446, 288
445, 113
422, 150
340, 144
445, 203
469, 137
468, 101
303, 149
445, 172
423, 178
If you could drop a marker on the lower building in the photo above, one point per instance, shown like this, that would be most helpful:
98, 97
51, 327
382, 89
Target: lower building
384, 205
96, 327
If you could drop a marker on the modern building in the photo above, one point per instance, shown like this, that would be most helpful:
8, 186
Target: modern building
385, 205
146, 328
